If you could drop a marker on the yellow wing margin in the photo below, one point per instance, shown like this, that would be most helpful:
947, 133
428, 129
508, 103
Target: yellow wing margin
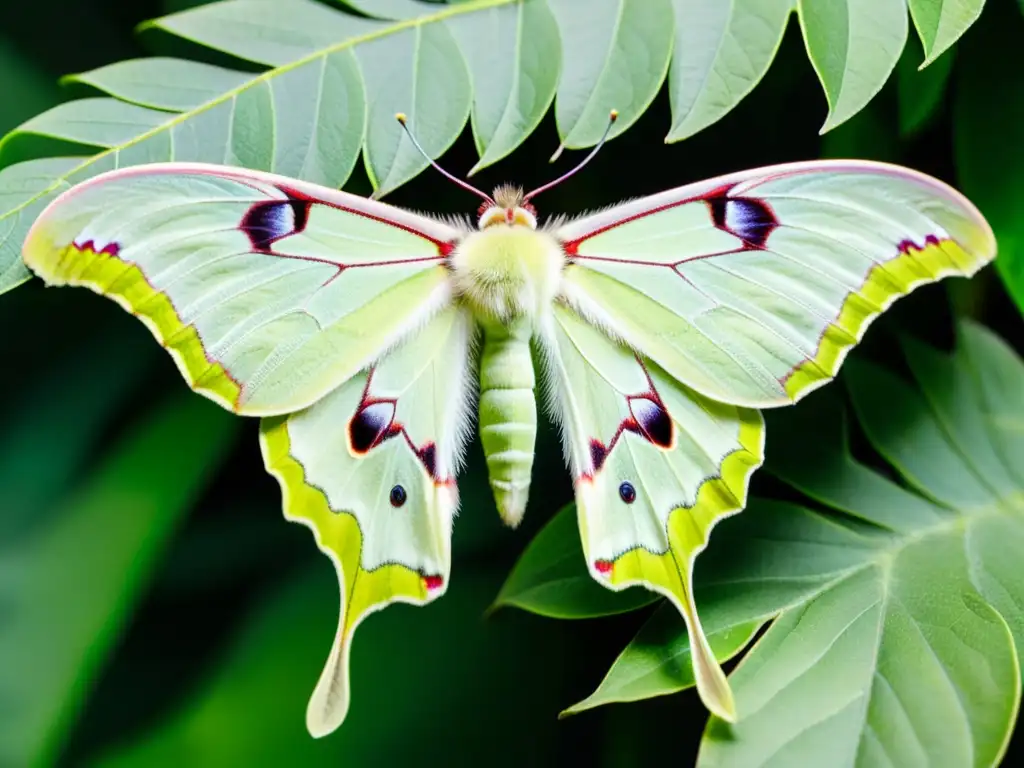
370, 469
689, 528
656, 466
102, 272
885, 284
361, 592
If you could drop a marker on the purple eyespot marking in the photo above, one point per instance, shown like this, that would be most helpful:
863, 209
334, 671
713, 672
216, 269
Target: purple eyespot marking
749, 219
266, 223
648, 418
374, 422
370, 425
652, 419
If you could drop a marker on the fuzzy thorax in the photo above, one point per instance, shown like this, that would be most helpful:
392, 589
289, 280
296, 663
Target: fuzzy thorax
507, 269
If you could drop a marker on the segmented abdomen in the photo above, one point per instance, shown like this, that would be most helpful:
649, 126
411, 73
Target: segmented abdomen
508, 414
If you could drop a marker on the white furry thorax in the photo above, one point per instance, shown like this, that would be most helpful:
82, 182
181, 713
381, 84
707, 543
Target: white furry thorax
508, 268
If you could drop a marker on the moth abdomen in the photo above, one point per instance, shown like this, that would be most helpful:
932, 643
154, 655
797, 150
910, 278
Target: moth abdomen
508, 414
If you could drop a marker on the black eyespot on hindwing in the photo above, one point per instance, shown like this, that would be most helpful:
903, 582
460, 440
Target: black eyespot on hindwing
627, 493
398, 496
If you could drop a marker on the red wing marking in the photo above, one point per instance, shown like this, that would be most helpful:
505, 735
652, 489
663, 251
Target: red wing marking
904, 248
748, 219
433, 582
267, 222
444, 248
374, 422
114, 249
111, 248
572, 245
648, 418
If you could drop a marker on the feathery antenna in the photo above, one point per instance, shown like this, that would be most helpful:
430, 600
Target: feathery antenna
401, 118
612, 117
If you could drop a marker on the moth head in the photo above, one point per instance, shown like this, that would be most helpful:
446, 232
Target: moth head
508, 206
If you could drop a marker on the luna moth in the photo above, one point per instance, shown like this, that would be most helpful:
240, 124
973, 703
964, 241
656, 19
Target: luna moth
362, 334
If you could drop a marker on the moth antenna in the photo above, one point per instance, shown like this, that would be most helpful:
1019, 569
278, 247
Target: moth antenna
402, 119
612, 117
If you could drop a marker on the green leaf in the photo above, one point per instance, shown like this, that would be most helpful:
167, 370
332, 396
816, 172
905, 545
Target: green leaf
25, 189
392, 9
272, 32
420, 72
100, 122
615, 55
771, 558
984, 80
940, 23
657, 661
909, 656
514, 57
921, 92
853, 45
551, 578
177, 85
879, 670
53, 576
722, 50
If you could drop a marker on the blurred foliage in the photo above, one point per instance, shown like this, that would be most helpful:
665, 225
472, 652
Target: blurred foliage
155, 608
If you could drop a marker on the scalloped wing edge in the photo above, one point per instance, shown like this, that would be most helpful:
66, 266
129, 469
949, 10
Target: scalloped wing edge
875, 296
338, 536
689, 529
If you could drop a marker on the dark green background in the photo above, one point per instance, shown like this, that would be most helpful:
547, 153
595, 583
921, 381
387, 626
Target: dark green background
214, 665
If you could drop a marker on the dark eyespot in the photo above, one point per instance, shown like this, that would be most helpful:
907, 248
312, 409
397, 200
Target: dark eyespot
751, 220
627, 493
398, 496
653, 420
370, 425
267, 222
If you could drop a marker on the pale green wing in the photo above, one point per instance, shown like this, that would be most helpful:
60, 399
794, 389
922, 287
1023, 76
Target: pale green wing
751, 288
656, 466
370, 469
268, 292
